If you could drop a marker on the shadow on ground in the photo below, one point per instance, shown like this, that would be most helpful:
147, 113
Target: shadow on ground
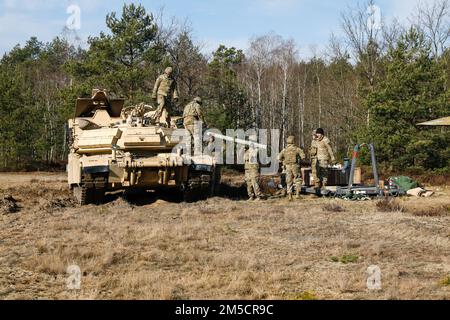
141, 198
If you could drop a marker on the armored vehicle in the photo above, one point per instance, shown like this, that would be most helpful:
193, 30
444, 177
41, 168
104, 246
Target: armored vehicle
116, 148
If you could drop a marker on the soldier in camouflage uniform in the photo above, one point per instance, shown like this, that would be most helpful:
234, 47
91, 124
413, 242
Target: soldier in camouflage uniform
192, 114
313, 156
321, 146
252, 173
291, 158
165, 92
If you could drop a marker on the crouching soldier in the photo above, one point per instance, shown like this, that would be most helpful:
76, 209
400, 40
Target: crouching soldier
252, 173
291, 158
323, 156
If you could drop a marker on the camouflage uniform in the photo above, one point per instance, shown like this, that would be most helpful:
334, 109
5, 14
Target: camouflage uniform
252, 173
313, 156
193, 113
290, 157
324, 157
164, 92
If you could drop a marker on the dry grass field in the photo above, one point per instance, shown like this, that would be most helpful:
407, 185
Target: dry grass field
153, 248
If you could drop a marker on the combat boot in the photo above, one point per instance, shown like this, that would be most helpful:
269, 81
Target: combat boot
298, 196
317, 189
251, 199
290, 197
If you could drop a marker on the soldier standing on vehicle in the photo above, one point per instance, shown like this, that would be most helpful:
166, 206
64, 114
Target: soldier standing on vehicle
192, 114
324, 156
165, 93
291, 158
252, 173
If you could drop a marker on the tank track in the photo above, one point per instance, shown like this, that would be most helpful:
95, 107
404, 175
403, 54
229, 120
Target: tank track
197, 188
92, 190
201, 186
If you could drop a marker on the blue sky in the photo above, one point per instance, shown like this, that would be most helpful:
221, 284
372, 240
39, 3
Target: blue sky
214, 22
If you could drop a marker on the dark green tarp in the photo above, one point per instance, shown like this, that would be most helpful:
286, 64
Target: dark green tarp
404, 183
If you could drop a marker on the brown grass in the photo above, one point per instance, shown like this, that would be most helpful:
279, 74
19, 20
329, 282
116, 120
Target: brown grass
389, 205
439, 211
314, 248
445, 282
333, 207
50, 264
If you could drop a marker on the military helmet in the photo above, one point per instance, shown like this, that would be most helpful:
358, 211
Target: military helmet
96, 91
169, 70
198, 100
291, 140
320, 131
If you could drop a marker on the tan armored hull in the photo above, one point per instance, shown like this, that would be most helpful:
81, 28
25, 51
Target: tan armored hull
110, 151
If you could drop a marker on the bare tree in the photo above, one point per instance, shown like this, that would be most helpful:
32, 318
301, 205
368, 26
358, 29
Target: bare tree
363, 30
391, 33
260, 54
189, 62
434, 20
335, 49
167, 29
302, 85
317, 65
363, 34
284, 53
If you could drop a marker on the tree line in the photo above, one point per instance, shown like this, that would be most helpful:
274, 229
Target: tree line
372, 84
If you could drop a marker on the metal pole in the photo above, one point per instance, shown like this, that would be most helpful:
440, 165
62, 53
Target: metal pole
374, 166
352, 170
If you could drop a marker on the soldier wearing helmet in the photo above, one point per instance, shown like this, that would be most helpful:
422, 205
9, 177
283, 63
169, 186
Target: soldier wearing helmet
323, 157
252, 168
291, 158
192, 114
165, 93
313, 156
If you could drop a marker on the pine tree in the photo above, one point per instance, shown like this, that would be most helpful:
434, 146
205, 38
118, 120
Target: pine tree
227, 102
124, 60
413, 91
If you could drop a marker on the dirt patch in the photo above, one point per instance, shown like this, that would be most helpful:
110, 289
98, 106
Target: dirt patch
48, 196
120, 203
57, 204
9, 205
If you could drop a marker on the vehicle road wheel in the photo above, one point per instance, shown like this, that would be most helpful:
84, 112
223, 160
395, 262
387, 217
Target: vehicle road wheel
189, 195
83, 195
